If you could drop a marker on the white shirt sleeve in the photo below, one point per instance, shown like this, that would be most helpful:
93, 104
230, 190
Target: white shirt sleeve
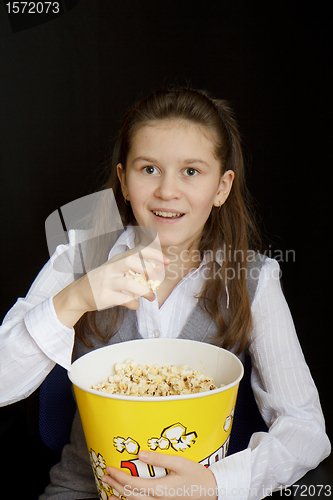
32, 339
287, 399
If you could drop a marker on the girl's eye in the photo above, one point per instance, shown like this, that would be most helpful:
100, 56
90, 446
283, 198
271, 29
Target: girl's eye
150, 169
190, 172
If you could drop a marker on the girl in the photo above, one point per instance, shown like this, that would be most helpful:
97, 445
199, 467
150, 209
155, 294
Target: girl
177, 168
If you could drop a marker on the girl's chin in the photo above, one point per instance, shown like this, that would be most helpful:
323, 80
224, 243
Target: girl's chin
175, 245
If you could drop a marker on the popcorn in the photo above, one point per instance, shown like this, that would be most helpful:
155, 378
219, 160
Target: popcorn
153, 380
152, 284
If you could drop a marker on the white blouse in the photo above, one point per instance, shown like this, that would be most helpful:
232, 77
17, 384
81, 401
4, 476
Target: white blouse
33, 340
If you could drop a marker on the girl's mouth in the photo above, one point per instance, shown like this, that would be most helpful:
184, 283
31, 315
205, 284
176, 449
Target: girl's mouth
168, 215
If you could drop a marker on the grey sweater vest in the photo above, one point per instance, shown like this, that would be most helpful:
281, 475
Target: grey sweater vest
72, 478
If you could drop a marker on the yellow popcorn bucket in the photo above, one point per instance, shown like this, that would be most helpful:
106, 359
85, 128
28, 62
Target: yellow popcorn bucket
117, 427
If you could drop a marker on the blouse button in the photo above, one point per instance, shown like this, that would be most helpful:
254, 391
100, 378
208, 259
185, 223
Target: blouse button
155, 333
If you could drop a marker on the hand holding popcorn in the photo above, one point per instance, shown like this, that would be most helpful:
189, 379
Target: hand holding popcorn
109, 285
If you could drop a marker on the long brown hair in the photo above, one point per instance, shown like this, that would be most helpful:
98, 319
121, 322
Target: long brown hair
230, 228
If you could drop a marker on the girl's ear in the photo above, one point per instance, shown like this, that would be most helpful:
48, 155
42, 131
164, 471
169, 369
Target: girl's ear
122, 178
224, 188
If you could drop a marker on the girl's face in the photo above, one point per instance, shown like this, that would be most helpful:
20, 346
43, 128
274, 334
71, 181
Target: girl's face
172, 180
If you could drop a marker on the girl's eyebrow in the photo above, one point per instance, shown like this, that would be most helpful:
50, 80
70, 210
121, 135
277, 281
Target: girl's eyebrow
145, 158
189, 161
195, 160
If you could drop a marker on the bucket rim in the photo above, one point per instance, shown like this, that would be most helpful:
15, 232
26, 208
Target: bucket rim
157, 398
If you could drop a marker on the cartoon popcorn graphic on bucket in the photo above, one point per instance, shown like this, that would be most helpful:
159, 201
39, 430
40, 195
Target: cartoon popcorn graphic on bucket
175, 436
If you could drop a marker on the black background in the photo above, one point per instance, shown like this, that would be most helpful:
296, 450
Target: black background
65, 85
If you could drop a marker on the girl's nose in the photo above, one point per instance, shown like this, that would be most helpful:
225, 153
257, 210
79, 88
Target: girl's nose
168, 188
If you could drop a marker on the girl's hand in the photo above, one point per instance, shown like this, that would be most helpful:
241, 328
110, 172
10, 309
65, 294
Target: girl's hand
186, 479
107, 286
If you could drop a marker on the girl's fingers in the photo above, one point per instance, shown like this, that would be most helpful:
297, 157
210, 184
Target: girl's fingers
117, 282
150, 253
171, 462
177, 465
137, 265
113, 483
185, 475
150, 296
132, 303
124, 483
147, 269
110, 289
135, 288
